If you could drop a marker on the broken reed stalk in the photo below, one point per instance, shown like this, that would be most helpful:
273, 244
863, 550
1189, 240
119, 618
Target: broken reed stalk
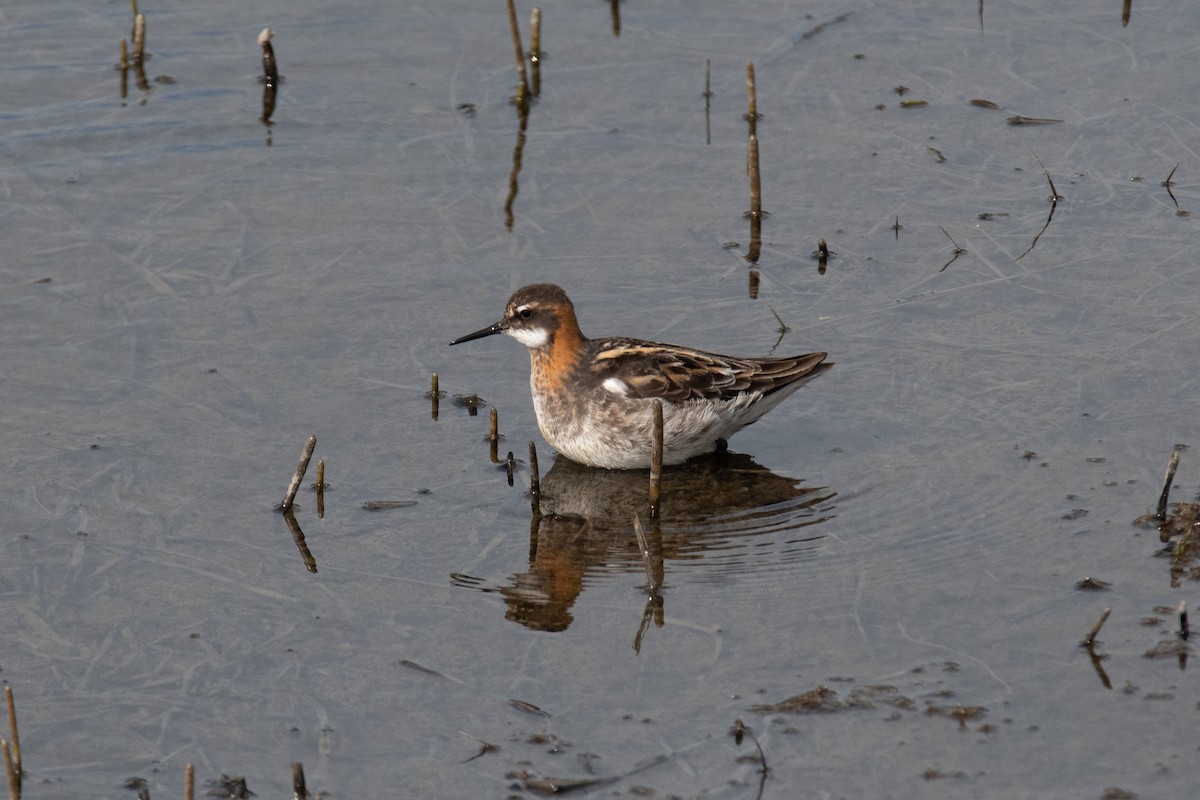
14, 777
523, 89
270, 68
434, 395
139, 38
752, 166
12, 727
752, 92
1172, 465
298, 476
535, 482
189, 781
1184, 630
535, 50
1090, 640
299, 787
320, 484
755, 173
656, 457
493, 435
124, 55
616, 17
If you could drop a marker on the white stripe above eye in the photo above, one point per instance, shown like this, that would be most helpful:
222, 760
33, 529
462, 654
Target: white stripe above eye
616, 386
530, 337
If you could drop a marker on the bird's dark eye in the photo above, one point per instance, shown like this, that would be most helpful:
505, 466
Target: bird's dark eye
525, 313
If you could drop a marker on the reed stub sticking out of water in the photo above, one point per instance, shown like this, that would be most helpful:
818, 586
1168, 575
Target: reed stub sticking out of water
319, 486
740, 731
535, 51
290, 496
1184, 630
434, 395
615, 6
12, 749
139, 38
756, 214
299, 786
1172, 464
535, 482
752, 95
494, 435
522, 95
1089, 641
270, 73
189, 781
656, 456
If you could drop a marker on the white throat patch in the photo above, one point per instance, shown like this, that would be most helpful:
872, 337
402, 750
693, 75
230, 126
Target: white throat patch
530, 337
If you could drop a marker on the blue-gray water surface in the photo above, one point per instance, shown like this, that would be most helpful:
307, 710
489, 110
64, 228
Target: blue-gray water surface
881, 580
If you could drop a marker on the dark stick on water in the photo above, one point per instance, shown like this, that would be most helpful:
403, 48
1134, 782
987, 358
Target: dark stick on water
1054, 198
522, 90
535, 50
299, 788
535, 482
739, 732
755, 249
1184, 630
434, 395
510, 466
1126, 8
301, 468
320, 487
1172, 465
310, 563
656, 457
708, 95
124, 69
494, 435
270, 69
1089, 641
189, 781
616, 17
15, 746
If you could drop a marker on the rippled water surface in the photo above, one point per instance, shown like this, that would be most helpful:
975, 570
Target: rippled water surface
883, 580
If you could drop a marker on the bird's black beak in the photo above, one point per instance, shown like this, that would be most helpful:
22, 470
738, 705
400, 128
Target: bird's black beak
488, 331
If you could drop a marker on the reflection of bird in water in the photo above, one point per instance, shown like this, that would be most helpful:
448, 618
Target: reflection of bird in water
736, 515
593, 397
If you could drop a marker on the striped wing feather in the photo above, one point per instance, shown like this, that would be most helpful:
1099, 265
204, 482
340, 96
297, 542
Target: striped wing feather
676, 374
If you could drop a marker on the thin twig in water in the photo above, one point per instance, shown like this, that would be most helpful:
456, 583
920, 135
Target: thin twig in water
1054, 198
1184, 631
1167, 184
1089, 641
783, 328
958, 251
739, 731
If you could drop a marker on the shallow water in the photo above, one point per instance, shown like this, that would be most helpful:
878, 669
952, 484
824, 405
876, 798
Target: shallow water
188, 294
